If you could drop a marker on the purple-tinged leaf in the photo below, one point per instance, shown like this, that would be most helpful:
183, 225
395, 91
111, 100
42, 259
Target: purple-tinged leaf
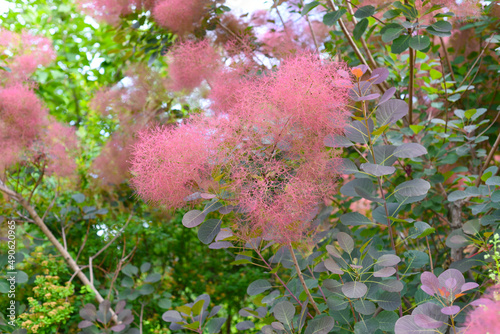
207, 196
377, 170
385, 272
450, 283
193, 197
410, 150
88, 312
450, 310
391, 111
85, 324
320, 268
345, 242
220, 245
172, 316
333, 267
433, 311
357, 131
333, 251
224, 234
391, 285
118, 328
226, 209
407, 325
428, 290
469, 286
346, 166
367, 97
379, 75
429, 279
388, 260
387, 95
425, 321
261, 312
336, 141
278, 325
193, 218
244, 325
354, 289
452, 273
363, 68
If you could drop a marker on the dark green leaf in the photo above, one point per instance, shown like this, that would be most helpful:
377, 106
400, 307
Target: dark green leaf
400, 44
365, 11
360, 28
209, 230
330, 18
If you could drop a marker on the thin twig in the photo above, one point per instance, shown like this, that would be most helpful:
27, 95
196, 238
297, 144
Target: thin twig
410, 87
301, 278
447, 57
65, 254
311, 28
478, 58
488, 159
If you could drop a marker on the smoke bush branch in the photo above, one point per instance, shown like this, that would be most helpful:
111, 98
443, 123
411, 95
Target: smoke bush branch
60, 248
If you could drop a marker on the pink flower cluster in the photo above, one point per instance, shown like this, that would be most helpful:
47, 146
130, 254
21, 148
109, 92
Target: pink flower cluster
178, 15
111, 11
134, 103
295, 36
28, 52
26, 132
264, 139
192, 62
485, 318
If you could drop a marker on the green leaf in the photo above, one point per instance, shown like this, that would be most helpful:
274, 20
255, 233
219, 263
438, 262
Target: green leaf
345, 242
320, 325
284, 312
153, 278
389, 301
438, 33
308, 7
417, 187
258, 286
331, 18
360, 28
443, 26
417, 128
354, 219
420, 42
365, 11
391, 13
354, 289
215, 324
209, 230
130, 270
400, 44
165, 303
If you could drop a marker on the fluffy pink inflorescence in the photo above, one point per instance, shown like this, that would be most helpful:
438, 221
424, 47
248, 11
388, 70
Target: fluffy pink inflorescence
28, 52
59, 146
178, 15
110, 11
112, 165
134, 102
485, 318
171, 163
22, 118
267, 141
192, 62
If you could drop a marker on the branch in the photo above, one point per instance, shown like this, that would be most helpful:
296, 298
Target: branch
40, 223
